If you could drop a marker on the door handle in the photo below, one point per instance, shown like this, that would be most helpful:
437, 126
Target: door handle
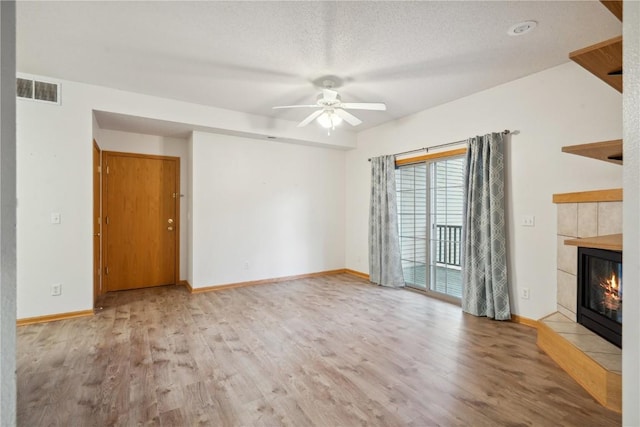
170, 228
170, 220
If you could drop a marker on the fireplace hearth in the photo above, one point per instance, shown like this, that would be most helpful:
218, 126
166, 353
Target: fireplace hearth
599, 305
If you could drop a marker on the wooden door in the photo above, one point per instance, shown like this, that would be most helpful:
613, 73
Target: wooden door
97, 288
140, 202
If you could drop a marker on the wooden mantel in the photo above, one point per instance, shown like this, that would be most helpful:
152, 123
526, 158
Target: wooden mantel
612, 195
612, 242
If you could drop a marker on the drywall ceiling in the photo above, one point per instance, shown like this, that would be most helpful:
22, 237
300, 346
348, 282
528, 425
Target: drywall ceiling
250, 56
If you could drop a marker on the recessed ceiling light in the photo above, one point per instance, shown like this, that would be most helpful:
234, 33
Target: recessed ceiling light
522, 28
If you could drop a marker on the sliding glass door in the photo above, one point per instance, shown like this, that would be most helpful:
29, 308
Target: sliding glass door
446, 195
430, 202
411, 187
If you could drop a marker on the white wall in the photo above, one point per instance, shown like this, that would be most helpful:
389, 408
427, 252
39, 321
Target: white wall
54, 175
7, 213
54, 162
111, 140
95, 127
278, 207
561, 106
631, 219
187, 218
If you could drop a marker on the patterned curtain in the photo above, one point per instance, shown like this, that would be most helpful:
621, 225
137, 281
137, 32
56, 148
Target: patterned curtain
385, 267
485, 290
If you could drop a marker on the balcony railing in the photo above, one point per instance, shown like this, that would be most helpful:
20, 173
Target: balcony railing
448, 244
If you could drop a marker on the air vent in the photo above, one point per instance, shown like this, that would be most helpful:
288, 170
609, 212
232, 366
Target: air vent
37, 90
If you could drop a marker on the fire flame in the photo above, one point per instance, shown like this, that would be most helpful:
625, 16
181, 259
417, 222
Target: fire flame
612, 297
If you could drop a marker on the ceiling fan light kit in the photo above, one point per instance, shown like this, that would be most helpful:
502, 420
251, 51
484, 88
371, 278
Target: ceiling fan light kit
332, 111
329, 120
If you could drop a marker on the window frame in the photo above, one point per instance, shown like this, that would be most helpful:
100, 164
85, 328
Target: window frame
428, 159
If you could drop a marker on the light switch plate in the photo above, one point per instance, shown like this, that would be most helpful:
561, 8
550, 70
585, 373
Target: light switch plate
528, 221
56, 289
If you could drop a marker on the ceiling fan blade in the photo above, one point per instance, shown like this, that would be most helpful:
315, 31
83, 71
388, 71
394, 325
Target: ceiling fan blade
295, 106
329, 95
347, 117
378, 106
311, 117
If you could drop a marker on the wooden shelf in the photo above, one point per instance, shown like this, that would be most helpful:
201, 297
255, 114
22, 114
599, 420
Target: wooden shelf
608, 151
614, 6
613, 195
612, 242
601, 59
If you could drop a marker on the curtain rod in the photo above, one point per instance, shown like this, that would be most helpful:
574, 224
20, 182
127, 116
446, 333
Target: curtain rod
505, 132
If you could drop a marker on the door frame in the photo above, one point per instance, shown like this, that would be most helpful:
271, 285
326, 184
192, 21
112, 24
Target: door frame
97, 217
429, 161
105, 155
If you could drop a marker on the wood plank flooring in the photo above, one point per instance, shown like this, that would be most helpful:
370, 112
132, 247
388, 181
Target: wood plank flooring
325, 351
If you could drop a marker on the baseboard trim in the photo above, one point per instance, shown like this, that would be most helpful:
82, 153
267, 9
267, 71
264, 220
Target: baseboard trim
356, 273
263, 281
186, 284
525, 321
53, 317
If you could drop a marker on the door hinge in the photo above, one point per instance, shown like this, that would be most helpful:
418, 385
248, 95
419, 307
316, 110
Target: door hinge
174, 195
106, 270
99, 169
106, 220
107, 169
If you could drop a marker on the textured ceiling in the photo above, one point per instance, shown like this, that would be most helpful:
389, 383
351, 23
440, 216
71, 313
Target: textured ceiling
250, 56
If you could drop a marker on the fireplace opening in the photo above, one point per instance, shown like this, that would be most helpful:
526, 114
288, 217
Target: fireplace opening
600, 292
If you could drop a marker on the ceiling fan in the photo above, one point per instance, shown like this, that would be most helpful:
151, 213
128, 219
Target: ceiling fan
331, 110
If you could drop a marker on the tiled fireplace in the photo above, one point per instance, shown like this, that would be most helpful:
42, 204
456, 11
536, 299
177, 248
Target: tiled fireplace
580, 220
594, 220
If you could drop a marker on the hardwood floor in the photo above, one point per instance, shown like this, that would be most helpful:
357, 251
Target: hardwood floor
326, 351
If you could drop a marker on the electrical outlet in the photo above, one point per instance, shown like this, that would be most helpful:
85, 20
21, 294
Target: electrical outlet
525, 293
246, 265
56, 289
528, 221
